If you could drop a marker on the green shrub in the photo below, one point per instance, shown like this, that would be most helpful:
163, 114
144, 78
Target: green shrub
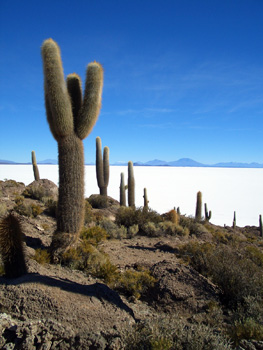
237, 276
134, 283
129, 216
246, 328
132, 231
42, 256
51, 206
98, 201
255, 254
88, 215
93, 235
113, 230
3, 209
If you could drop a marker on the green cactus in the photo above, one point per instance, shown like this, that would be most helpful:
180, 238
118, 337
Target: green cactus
35, 167
145, 197
198, 211
207, 215
260, 226
102, 167
11, 246
178, 211
122, 191
70, 119
234, 220
131, 185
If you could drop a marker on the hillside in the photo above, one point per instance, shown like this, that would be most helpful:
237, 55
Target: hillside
135, 280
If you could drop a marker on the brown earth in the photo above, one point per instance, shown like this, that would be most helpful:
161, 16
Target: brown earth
54, 307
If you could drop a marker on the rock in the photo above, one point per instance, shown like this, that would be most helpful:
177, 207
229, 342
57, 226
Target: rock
41, 189
180, 286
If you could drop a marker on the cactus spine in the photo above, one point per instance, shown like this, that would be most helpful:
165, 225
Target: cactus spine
131, 185
145, 197
122, 191
35, 167
260, 226
70, 119
102, 167
198, 211
11, 247
207, 215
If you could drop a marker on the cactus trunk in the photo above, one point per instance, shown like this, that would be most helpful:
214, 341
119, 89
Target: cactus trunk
102, 167
122, 191
198, 211
71, 185
145, 197
131, 185
35, 167
260, 226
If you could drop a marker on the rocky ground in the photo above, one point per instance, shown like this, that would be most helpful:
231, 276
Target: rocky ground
55, 307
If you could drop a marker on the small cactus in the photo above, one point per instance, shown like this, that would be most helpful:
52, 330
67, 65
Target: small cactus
178, 211
145, 197
102, 167
35, 167
234, 220
11, 246
260, 226
207, 215
198, 211
70, 119
131, 185
122, 191
173, 216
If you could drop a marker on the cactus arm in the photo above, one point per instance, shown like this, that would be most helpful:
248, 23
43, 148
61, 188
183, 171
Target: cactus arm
58, 101
90, 109
75, 92
99, 163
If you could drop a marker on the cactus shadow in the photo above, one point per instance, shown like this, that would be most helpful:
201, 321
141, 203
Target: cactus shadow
98, 290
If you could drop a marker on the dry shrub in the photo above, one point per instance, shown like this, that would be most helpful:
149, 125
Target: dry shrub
168, 333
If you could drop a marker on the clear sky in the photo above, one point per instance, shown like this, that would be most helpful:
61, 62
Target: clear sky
182, 78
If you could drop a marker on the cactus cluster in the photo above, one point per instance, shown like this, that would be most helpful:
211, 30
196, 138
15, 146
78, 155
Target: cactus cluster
102, 167
71, 118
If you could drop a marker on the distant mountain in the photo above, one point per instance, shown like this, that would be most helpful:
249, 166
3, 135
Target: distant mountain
183, 162
6, 162
48, 161
238, 165
186, 162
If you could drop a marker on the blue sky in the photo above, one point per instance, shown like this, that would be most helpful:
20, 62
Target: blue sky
182, 78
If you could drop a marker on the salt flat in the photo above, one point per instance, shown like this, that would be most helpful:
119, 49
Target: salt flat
225, 190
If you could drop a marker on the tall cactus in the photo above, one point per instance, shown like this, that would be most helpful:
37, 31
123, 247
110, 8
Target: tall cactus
122, 191
208, 215
260, 226
70, 119
102, 167
198, 211
12, 246
131, 185
234, 220
35, 167
145, 198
